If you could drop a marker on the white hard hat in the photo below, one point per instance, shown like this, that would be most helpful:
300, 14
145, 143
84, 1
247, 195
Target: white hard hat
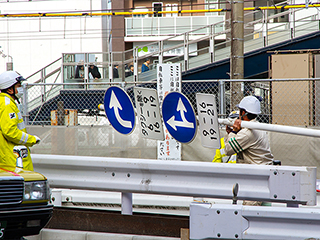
250, 104
9, 78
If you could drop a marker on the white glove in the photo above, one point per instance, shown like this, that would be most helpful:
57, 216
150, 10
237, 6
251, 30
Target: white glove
37, 139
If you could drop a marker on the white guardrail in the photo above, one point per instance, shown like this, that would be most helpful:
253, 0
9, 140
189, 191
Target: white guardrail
291, 185
220, 221
295, 185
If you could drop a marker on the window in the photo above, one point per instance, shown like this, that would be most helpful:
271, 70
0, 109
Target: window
172, 7
212, 4
157, 6
168, 8
140, 9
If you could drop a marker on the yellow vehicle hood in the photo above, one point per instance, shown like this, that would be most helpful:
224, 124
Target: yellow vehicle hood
8, 171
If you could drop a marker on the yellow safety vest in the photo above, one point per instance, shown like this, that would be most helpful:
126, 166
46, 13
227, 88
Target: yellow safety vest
221, 156
13, 132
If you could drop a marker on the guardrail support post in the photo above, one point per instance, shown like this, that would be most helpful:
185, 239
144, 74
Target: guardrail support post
126, 203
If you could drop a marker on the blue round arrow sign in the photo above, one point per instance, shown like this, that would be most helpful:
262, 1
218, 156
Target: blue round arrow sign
119, 110
179, 117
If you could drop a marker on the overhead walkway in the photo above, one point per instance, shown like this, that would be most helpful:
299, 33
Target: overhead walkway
256, 61
265, 35
295, 29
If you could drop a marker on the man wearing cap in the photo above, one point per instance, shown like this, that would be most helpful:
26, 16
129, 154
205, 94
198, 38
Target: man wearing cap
12, 128
251, 146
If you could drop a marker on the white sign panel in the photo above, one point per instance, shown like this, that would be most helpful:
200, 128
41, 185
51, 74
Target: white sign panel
150, 48
168, 80
208, 120
147, 105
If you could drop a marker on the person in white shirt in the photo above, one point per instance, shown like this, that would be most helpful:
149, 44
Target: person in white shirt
251, 146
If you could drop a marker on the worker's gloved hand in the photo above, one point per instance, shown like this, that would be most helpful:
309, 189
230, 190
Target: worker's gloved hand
37, 139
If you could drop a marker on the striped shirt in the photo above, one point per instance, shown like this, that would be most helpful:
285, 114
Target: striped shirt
251, 146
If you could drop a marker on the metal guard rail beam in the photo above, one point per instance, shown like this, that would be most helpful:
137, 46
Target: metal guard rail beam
220, 221
269, 183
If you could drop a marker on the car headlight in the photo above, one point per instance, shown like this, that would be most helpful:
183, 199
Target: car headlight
36, 191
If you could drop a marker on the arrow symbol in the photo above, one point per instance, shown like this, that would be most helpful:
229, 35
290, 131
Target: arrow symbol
114, 103
184, 123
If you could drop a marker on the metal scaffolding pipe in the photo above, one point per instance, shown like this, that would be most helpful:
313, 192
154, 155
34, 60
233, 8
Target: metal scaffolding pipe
275, 128
130, 13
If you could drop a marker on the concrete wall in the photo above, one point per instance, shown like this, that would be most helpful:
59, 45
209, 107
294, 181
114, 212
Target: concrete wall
54, 234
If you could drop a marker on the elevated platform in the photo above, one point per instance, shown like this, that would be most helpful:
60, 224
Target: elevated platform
256, 66
255, 62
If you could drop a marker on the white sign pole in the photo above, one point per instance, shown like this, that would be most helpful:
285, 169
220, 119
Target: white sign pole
168, 80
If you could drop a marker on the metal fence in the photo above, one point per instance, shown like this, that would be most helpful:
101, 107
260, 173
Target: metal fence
292, 102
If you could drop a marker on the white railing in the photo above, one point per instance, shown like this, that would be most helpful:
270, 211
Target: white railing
292, 185
170, 26
181, 46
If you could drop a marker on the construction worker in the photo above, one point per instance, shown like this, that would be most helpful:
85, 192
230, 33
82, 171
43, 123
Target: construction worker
12, 129
221, 156
251, 146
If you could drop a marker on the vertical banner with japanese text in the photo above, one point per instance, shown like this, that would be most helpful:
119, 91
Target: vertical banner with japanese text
168, 80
